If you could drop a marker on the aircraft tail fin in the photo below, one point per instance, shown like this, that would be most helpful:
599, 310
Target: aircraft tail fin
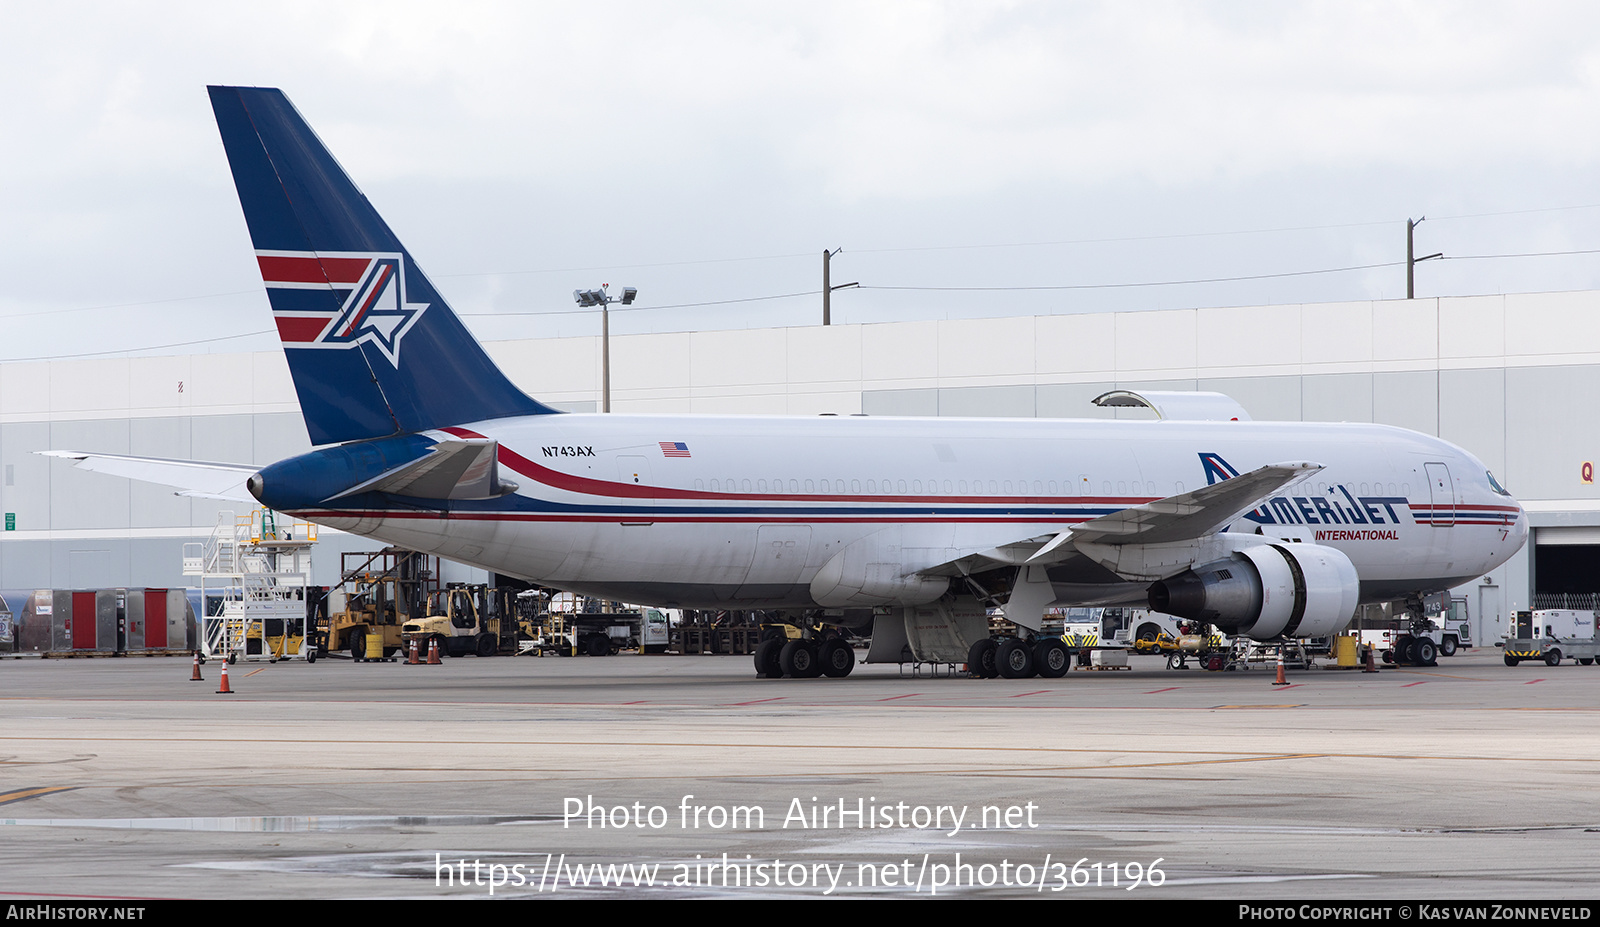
373, 348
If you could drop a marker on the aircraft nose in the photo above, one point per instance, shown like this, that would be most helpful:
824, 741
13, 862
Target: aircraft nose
255, 484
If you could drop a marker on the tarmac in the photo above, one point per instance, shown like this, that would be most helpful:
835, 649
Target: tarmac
688, 777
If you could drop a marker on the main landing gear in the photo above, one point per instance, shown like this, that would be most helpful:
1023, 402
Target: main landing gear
803, 658
1016, 658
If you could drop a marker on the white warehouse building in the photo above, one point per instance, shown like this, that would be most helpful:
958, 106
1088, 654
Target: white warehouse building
1513, 379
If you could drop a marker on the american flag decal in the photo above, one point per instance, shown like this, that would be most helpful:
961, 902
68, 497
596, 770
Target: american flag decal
674, 449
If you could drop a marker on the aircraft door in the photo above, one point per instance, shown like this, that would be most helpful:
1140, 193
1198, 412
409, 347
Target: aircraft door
633, 470
1442, 494
780, 558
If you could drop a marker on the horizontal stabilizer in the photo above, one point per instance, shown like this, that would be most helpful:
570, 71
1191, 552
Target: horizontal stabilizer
196, 478
456, 470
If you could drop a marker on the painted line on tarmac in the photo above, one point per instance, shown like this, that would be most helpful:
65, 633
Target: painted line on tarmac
15, 795
1210, 762
745, 746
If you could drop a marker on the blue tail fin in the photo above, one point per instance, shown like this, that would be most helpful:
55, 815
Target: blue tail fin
373, 348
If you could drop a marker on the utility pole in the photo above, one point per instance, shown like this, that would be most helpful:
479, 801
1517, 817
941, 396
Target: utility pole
828, 287
1412, 260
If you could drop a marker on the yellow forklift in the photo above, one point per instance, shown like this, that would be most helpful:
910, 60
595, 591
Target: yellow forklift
464, 618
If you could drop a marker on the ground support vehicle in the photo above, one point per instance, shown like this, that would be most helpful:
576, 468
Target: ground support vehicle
464, 618
1247, 654
561, 624
1142, 631
253, 576
378, 592
1554, 634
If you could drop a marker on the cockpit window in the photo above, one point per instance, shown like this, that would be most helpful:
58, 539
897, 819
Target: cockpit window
1495, 484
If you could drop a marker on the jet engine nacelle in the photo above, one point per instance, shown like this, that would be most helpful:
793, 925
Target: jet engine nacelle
1266, 592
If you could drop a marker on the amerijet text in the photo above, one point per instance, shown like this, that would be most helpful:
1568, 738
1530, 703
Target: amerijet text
841, 814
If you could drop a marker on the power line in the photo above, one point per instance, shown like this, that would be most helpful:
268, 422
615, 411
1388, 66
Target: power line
1486, 257
971, 247
148, 302
579, 270
715, 302
1125, 238
148, 347
1115, 286
1517, 212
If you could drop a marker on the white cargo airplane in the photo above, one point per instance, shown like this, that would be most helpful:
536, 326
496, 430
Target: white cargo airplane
906, 528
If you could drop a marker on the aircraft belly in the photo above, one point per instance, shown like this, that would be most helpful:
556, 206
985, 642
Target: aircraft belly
692, 595
655, 553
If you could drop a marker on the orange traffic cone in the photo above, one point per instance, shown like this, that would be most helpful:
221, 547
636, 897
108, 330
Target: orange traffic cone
1372, 660
433, 652
225, 690
195, 676
1280, 681
411, 654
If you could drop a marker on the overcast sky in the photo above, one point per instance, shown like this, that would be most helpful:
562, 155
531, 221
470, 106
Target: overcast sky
705, 152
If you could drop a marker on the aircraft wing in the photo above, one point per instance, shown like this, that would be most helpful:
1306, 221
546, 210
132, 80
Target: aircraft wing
197, 478
1161, 537
1192, 514
1188, 516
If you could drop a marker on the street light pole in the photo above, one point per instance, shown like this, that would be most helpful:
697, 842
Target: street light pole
603, 299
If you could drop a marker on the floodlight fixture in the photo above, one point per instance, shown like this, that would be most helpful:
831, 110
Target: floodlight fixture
603, 299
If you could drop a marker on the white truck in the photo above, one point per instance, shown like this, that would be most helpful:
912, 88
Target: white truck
1551, 634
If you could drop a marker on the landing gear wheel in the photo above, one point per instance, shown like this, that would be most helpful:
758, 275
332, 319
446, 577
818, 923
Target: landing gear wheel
836, 657
1014, 657
1447, 647
1424, 652
799, 659
1052, 658
980, 659
1552, 658
487, 645
767, 658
